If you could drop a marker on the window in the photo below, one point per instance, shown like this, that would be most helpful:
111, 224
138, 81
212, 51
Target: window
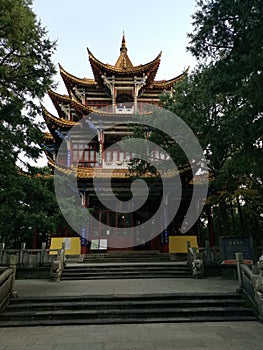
85, 155
117, 156
101, 104
108, 156
121, 156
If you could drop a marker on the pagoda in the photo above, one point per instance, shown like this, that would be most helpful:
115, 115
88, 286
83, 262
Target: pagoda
113, 94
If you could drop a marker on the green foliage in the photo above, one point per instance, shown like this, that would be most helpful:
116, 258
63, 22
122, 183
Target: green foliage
222, 101
26, 72
228, 37
30, 205
25, 66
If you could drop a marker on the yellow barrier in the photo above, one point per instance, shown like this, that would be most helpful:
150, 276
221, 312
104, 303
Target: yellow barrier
178, 244
72, 245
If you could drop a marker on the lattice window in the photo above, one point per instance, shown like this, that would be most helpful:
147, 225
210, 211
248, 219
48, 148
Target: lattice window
85, 155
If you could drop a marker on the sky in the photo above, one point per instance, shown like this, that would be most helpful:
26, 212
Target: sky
150, 26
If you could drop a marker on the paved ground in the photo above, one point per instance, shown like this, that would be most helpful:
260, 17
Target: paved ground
213, 336
199, 336
124, 286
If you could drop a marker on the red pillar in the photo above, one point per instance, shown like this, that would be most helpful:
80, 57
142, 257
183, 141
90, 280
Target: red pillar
34, 243
83, 249
164, 248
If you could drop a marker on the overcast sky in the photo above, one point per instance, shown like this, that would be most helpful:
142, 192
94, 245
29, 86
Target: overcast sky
150, 26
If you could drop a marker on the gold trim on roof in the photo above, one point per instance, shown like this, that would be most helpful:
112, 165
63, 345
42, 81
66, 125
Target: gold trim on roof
87, 110
55, 96
48, 136
81, 108
84, 81
100, 113
58, 121
57, 99
123, 61
142, 68
89, 173
167, 84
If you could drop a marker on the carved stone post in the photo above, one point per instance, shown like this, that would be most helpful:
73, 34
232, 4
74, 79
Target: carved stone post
43, 252
22, 251
259, 289
188, 244
58, 265
2, 248
12, 264
239, 259
194, 253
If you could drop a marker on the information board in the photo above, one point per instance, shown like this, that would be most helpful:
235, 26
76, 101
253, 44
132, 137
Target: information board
236, 244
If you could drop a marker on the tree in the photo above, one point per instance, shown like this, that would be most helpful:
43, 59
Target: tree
26, 72
29, 207
222, 101
228, 38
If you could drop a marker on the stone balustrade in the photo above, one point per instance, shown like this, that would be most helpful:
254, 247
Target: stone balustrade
27, 257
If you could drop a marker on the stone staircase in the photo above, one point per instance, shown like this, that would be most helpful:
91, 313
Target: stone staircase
127, 256
154, 308
126, 265
126, 271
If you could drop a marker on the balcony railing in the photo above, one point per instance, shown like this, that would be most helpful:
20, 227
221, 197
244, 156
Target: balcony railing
124, 109
116, 164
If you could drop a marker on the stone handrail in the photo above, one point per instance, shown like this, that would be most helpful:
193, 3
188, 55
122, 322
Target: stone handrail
251, 284
7, 278
58, 265
195, 261
32, 258
27, 257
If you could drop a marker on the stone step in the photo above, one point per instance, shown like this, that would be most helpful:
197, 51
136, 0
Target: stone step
119, 277
106, 271
131, 264
181, 307
151, 304
132, 297
130, 256
120, 260
125, 269
134, 312
128, 253
132, 320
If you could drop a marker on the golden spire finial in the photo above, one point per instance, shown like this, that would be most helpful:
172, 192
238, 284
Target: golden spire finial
123, 60
123, 43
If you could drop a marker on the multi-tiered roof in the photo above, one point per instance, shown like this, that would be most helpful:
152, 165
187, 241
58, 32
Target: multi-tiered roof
106, 95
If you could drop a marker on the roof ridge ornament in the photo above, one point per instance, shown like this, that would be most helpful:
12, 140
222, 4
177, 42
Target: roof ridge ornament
123, 60
123, 44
